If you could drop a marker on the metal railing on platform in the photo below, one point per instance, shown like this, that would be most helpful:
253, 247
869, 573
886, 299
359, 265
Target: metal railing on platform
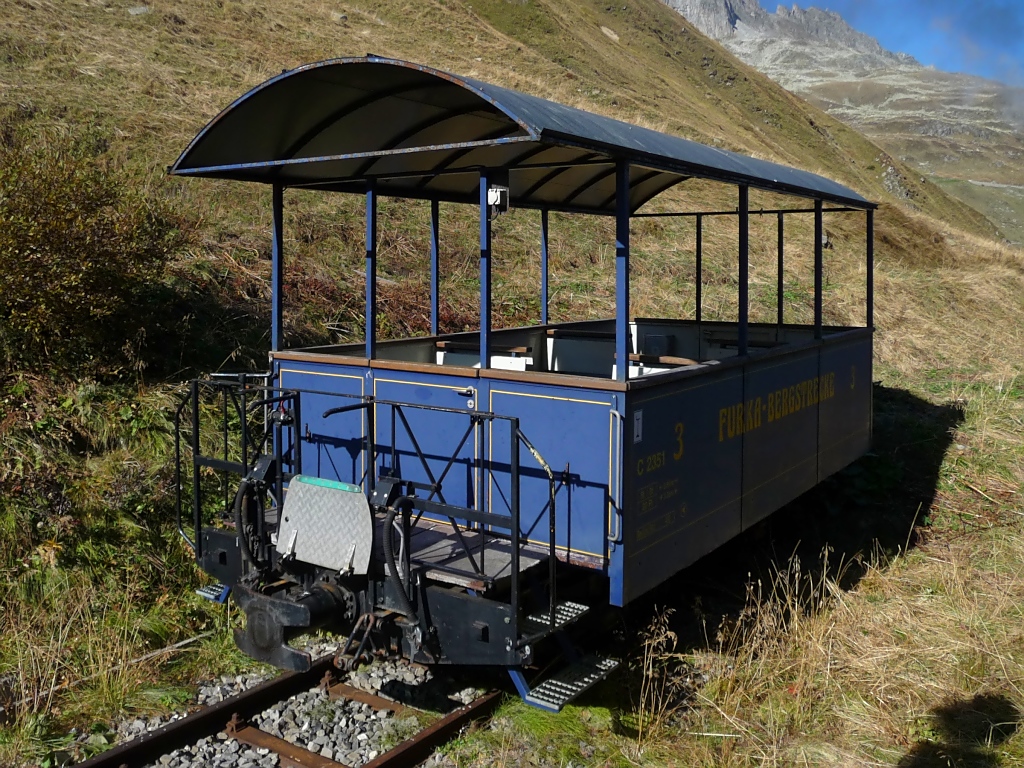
240, 403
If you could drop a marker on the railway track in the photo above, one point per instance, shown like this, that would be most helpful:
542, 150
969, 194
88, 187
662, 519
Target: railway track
182, 742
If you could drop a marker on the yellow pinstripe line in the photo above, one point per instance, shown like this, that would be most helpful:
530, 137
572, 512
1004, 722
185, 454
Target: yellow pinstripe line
612, 414
694, 388
546, 397
452, 387
318, 373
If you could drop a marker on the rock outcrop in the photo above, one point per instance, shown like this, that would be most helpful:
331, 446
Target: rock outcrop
957, 128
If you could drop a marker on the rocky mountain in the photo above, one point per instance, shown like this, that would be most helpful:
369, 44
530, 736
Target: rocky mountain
965, 132
743, 21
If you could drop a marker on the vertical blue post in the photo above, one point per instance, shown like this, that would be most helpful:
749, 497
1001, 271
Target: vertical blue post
622, 344
870, 309
819, 233
744, 299
544, 266
781, 285
434, 264
277, 270
371, 271
485, 275
699, 269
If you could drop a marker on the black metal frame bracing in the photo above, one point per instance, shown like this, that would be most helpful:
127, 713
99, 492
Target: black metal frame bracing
237, 406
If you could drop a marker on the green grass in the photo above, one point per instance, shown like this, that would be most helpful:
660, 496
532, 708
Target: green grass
523, 735
1004, 206
92, 576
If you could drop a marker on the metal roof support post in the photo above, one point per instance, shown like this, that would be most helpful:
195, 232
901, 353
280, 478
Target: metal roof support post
744, 257
371, 270
819, 232
544, 266
699, 248
870, 309
485, 274
781, 283
277, 270
434, 264
622, 270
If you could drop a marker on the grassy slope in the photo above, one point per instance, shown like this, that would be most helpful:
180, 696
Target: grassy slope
152, 80
993, 154
1002, 204
948, 316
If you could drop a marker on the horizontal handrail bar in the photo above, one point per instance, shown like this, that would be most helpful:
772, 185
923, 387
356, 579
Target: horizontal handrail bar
472, 515
227, 466
268, 400
345, 408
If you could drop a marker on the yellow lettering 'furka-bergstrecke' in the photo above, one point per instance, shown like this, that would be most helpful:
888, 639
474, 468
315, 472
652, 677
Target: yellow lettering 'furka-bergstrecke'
738, 419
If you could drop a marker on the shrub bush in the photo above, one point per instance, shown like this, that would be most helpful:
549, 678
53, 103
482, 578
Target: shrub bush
78, 250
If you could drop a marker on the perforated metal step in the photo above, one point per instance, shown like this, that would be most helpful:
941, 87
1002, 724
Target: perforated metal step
565, 613
557, 691
218, 593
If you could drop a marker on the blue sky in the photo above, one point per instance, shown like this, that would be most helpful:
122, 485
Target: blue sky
981, 37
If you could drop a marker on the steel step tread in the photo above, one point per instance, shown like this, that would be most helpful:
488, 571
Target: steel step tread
218, 592
565, 613
557, 691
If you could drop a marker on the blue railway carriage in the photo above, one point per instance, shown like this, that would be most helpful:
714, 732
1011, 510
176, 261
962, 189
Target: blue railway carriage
444, 497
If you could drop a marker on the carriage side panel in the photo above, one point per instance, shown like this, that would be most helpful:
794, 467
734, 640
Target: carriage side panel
576, 432
845, 418
777, 423
710, 455
429, 446
681, 483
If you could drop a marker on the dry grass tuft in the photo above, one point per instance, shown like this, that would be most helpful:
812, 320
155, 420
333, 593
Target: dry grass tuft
664, 684
818, 675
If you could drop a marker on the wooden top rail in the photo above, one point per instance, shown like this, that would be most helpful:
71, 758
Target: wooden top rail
662, 360
473, 346
733, 341
571, 333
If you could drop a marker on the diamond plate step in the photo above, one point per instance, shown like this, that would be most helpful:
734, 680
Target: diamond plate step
565, 613
557, 691
218, 593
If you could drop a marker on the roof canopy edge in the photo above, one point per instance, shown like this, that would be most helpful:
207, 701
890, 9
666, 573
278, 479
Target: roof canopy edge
422, 133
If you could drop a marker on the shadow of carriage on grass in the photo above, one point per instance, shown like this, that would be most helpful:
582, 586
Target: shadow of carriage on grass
874, 509
963, 733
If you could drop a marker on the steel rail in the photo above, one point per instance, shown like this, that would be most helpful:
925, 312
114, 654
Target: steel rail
232, 717
415, 750
210, 720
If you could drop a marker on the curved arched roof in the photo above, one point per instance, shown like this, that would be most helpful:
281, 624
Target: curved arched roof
420, 132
